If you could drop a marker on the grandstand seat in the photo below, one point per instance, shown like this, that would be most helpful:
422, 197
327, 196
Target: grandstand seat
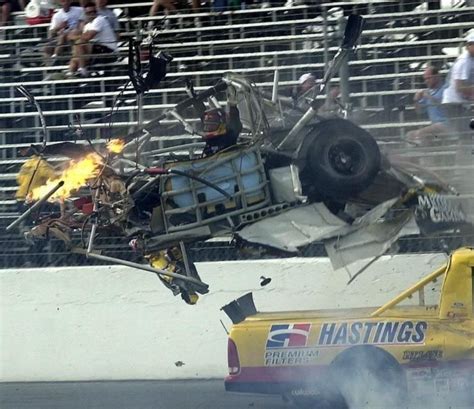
385, 72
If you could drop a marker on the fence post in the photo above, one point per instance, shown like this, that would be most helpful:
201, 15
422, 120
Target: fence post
344, 68
325, 37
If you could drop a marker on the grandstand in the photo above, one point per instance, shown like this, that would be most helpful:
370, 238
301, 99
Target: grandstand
398, 40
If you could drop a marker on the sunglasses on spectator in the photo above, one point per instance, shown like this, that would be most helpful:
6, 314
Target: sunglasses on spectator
91, 11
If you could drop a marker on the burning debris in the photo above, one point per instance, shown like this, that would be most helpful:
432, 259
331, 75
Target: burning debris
115, 145
75, 175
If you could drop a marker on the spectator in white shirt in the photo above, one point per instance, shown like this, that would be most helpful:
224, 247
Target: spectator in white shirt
461, 76
64, 25
97, 43
102, 10
460, 91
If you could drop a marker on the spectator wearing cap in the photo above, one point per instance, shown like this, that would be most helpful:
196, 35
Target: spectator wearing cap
97, 43
460, 91
64, 24
305, 82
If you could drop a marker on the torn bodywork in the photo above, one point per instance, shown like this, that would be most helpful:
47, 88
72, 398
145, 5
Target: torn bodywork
293, 177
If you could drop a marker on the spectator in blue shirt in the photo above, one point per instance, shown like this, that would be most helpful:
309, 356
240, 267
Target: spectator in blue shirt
429, 100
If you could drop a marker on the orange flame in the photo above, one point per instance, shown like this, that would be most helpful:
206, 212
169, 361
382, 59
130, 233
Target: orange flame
75, 176
115, 145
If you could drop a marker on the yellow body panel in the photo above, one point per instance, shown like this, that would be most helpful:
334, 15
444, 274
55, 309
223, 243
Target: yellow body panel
433, 335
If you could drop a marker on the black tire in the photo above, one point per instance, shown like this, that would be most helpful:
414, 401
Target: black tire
341, 160
367, 376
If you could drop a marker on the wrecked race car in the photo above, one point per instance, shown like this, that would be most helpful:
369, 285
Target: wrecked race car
283, 178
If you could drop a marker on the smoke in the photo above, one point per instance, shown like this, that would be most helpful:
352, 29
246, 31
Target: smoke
450, 158
433, 392
371, 379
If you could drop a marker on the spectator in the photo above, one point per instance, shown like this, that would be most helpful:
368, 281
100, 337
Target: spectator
103, 10
96, 44
64, 26
305, 91
172, 6
460, 90
331, 107
430, 99
308, 89
223, 5
306, 82
8, 6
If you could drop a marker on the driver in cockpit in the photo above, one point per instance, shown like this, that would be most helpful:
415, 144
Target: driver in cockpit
221, 127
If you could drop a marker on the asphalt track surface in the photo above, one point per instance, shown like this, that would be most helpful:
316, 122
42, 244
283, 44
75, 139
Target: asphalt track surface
202, 394
196, 394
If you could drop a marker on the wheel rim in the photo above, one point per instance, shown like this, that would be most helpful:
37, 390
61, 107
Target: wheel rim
346, 157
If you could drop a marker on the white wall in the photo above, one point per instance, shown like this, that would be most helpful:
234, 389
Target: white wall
102, 323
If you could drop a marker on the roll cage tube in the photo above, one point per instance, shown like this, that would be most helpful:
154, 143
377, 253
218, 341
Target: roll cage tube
220, 86
352, 33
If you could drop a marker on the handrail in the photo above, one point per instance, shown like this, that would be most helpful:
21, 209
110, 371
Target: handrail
255, 55
176, 16
312, 36
415, 29
366, 33
123, 78
169, 91
168, 122
219, 72
410, 291
418, 13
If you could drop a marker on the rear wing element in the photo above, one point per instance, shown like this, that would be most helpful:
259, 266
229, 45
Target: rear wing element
240, 308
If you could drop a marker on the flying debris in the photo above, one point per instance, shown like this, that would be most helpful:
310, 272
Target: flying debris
291, 179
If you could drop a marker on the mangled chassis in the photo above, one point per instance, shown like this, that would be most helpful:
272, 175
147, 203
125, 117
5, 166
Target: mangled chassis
284, 217
267, 190
243, 193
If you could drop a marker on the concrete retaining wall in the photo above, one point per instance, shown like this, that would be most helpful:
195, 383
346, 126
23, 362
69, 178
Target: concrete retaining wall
104, 323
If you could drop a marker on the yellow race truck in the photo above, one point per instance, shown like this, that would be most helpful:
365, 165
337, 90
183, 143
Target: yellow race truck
350, 358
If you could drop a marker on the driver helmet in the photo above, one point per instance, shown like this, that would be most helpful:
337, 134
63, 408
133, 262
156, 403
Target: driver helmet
214, 123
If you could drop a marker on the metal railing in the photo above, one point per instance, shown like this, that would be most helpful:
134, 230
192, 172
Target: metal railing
389, 64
